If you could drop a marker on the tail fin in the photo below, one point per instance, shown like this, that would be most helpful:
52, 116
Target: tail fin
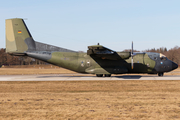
18, 37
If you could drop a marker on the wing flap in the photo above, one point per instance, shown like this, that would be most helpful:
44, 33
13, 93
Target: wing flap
99, 49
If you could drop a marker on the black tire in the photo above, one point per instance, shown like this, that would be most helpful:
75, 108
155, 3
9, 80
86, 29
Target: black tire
107, 75
99, 75
160, 74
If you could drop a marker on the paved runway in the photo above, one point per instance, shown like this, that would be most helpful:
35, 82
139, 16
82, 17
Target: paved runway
81, 77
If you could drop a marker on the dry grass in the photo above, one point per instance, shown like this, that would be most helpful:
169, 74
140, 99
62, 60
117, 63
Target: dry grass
32, 69
27, 71
86, 100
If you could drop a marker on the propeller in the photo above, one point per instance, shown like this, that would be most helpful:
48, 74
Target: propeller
132, 63
133, 54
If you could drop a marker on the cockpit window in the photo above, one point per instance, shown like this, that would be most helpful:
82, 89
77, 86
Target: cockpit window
163, 57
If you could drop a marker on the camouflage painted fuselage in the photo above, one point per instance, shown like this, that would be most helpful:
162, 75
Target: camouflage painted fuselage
83, 63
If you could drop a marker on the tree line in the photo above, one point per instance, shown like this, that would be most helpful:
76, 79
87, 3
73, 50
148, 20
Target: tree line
6, 59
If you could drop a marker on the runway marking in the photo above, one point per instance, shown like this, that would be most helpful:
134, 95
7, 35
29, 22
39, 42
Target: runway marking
69, 77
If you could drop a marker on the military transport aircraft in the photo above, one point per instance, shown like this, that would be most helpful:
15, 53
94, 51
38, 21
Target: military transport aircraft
98, 60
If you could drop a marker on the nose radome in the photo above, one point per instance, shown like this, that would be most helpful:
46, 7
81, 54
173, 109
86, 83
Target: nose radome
174, 65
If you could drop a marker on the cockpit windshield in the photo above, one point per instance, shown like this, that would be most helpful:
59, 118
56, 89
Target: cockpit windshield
163, 57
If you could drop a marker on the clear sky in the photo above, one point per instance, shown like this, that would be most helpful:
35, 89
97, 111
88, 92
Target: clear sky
76, 24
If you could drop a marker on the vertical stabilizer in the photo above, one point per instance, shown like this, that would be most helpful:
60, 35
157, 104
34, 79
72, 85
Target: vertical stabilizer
18, 37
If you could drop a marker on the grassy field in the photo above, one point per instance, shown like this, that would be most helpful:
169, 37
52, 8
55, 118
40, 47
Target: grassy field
90, 100
25, 70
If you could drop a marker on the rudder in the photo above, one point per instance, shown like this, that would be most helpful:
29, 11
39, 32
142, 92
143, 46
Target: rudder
18, 37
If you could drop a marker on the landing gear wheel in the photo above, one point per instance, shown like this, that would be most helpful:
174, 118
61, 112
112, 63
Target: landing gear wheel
160, 74
99, 75
107, 75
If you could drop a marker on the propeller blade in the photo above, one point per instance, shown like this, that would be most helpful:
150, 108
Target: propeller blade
132, 64
132, 48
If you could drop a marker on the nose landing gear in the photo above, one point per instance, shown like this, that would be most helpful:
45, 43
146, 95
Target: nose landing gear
107, 75
160, 74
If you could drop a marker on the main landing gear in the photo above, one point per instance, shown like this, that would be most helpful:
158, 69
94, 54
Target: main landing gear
105, 75
99, 75
160, 74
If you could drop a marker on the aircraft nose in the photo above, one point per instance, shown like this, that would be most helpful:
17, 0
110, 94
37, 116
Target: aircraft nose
174, 65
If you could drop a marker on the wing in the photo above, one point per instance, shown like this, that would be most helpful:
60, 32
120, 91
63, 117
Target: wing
99, 49
106, 53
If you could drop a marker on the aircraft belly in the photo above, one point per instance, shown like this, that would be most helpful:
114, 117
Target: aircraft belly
104, 70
